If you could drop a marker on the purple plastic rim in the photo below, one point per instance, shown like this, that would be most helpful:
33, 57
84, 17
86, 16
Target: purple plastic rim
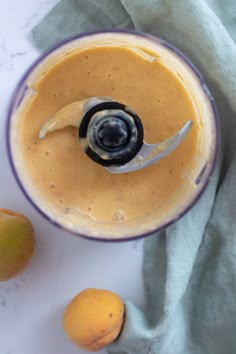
184, 58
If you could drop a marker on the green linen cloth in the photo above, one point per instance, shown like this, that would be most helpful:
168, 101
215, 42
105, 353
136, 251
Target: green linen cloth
190, 268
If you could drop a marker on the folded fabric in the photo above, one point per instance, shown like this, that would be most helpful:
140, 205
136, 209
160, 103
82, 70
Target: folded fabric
190, 268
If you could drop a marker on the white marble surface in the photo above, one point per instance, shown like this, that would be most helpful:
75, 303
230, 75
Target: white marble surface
31, 305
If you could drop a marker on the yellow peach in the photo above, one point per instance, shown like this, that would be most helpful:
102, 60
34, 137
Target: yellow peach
94, 318
17, 243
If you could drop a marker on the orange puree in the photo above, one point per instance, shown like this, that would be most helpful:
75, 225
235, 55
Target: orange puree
59, 168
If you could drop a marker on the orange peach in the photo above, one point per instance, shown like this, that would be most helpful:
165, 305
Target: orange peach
17, 243
94, 319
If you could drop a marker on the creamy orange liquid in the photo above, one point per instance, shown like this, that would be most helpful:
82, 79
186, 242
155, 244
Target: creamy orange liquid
61, 170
